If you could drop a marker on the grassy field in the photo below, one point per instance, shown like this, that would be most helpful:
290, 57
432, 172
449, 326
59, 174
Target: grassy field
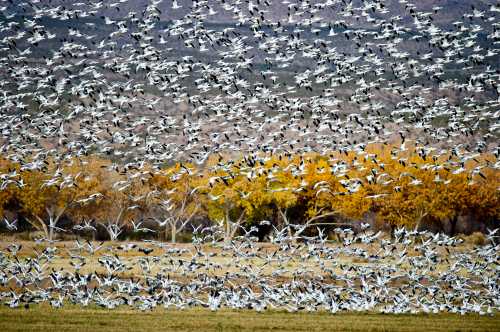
225, 261
75, 318
70, 318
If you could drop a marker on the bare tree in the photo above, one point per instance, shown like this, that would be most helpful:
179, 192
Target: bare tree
57, 200
231, 226
312, 221
114, 226
176, 210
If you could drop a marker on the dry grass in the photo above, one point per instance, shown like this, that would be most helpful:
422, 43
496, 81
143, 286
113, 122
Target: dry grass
75, 318
71, 318
223, 261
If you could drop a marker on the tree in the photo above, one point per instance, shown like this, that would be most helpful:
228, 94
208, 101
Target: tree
175, 202
121, 203
223, 207
9, 184
47, 196
115, 198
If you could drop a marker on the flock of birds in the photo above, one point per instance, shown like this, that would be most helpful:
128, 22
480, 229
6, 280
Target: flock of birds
414, 272
160, 81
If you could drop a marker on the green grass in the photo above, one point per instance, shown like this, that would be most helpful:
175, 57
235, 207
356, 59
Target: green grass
71, 318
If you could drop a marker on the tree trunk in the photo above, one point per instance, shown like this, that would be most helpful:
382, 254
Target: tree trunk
227, 228
42, 227
418, 224
286, 222
173, 230
227, 235
453, 227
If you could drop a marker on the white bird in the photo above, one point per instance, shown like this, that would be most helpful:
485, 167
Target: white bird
11, 226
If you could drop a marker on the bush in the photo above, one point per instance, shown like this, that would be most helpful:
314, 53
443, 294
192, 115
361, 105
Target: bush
476, 238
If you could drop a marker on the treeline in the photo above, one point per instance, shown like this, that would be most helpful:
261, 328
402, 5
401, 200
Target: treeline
381, 185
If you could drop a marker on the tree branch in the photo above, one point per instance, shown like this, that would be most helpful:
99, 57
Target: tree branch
308, 223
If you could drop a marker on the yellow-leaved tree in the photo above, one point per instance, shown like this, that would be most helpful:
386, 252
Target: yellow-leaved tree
47, 195
176, 199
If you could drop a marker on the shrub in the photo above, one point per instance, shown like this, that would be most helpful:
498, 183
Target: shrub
476, 238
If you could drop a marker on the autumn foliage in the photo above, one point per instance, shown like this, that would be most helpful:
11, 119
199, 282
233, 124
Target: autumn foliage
392, 185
